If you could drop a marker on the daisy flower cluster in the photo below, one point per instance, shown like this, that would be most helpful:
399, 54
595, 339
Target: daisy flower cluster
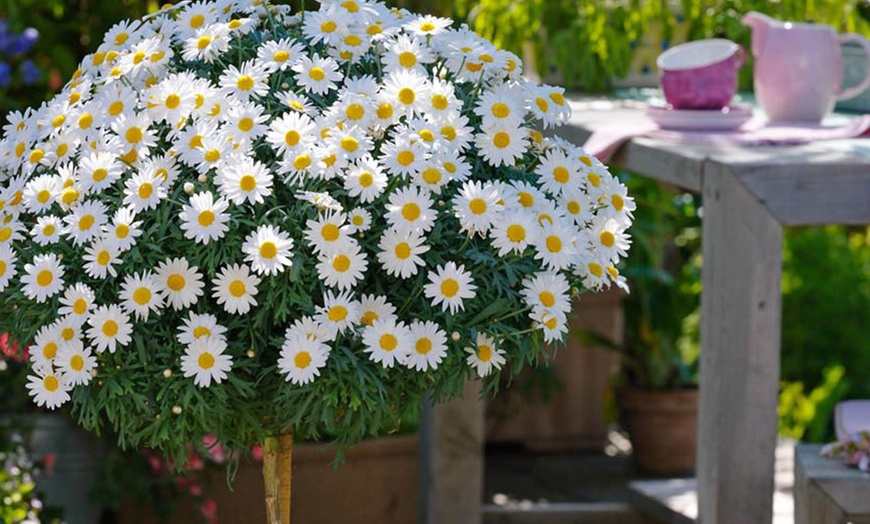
235, 218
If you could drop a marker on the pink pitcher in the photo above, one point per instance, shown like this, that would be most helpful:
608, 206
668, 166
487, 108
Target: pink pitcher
799, 68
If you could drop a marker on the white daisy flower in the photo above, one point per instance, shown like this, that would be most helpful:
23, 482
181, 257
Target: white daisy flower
309, 328
427, 25
556, 245
245, 180
212, 153
47, 230
43, 278
559, 173
608, 238
322, 201
100, 259
98, 171
547, 104
200, 326
576, 204
501, 107
247, 121
291, 133
278, 55
428, 346
317, 75
547, 290
501, 145
302, 358
7, 265
180, 285
618, 205
251, 79
442, 106
592, 270
48, 389
328, 233
514, 231
75, 363
449, 285
10, 231
40, 193
554, 324
77, 302
235, 288
69, 329
375, 307
123, 230
143, 191
109, 328
365, 180
356, 109
410, 209
204, 359
387, 341
85, 222
343, 267
407, 91
400, 252
204, 219
478, 207
485, 357
140, 295
268, 249
359, 220
46, 344
406, 52
338, 312
206, 44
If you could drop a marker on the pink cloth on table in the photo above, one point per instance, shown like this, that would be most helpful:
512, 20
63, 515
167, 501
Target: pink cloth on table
607, 139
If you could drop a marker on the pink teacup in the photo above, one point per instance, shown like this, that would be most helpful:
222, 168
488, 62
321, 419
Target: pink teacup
700, 74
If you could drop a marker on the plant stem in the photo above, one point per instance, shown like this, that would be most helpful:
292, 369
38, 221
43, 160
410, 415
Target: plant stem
277, 475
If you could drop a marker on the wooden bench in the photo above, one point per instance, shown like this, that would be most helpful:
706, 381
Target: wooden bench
827, 491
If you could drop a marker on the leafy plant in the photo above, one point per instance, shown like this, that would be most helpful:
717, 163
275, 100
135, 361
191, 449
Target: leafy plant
807, 416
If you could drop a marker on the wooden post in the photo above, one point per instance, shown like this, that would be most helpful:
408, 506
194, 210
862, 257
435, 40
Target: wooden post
277, 475
452, 460
740, 337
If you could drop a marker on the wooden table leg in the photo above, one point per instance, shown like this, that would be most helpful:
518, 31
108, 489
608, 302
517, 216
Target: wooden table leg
740, 339
452, 462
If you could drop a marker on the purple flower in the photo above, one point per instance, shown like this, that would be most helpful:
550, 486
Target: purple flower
5, 74
30, 72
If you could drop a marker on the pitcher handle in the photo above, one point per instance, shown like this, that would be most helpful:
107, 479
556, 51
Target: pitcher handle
865, 83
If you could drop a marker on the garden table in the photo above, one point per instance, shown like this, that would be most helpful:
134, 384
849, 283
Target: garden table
749, 194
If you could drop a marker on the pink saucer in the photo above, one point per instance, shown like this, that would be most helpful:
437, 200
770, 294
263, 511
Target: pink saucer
730, 117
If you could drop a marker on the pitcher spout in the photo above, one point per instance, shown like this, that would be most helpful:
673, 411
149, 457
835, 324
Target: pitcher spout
761, 24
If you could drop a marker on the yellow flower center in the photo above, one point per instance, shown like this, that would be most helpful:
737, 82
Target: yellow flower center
44, 278
328, 27
478, 206
439, 102
86, 120
246, 124
516, 233
116, 108
449, 287
500, 110
99, 174
501, 140
349, 144
77, 363
43, 196
58, 120
411, 211
195, 141
547, 298
292, 137
302, 359
206, 218
432, 175
526, 199
145, 191
139, 57
103, 258
613, 272
330, 232
69, 196
607, 239
80, 306
618, 202
403, 250
317, 74
407, 59
212, 155
484, 353
142, 296
352, 40
407, 96
388, 342
573, 207
86, 222
561, 175
341, 263
355, 112
237, 288
366, 179
48, 230
67, 333
172, 101
337, 313
594, 179
49, 351
427, 27
122, 231
557, 98
134, 135
281, 56
358, 220
175, 282
51, 383
423, 346
554, 244
405, 158
206, 361
385, 111
196, 21
542, 104
203, 42
2, 268
36, 155
247, 183
245, 83
302, 162
110, 328
596, 269
268, 250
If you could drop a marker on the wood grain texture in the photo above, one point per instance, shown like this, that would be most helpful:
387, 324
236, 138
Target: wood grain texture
453, 439
740, 337
827, 491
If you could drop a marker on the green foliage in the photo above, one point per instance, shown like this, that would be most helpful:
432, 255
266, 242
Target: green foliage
18, 502
590, 41
807, 416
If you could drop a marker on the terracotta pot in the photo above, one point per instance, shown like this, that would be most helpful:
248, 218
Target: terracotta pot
662, 425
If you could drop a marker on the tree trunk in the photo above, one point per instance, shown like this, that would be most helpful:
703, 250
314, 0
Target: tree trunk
277, 472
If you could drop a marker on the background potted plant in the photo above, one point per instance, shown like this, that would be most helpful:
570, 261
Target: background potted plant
656, 390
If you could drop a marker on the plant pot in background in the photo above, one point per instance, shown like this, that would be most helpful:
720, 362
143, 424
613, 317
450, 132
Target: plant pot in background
662, 426
76, 461
854, 69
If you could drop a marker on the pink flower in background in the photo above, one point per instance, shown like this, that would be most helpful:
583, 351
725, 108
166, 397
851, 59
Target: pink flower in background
215, 449
209, 510
257, 453
48, 462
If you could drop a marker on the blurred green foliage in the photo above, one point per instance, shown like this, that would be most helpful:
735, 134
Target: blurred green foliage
590, 41
807, 416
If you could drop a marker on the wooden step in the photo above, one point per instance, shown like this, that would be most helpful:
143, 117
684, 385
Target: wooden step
562, 513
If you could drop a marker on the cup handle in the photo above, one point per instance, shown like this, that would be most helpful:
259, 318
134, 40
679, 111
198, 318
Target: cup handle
740, 56
865, 83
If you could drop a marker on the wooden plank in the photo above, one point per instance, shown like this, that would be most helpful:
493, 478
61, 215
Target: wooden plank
563, 513
740, 336
452, 473
827, 491
674, 501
